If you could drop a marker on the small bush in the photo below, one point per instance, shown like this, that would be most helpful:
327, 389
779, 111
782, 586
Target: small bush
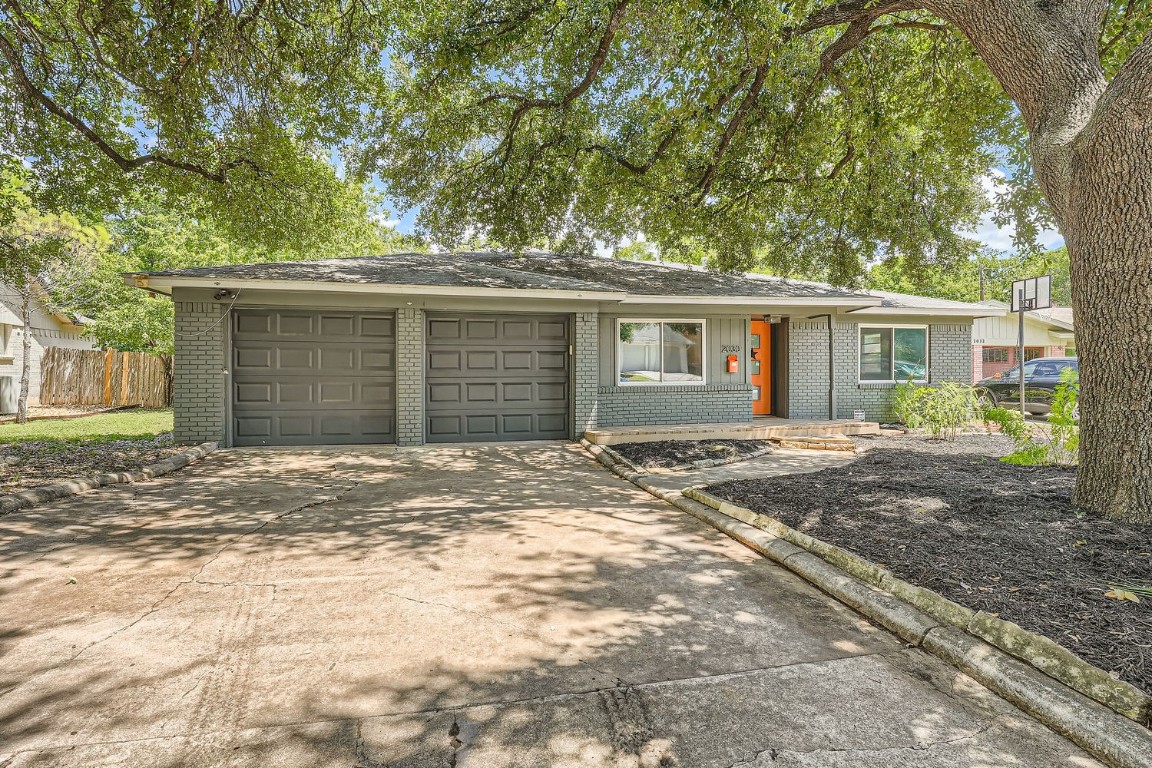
1059, 443
943, 411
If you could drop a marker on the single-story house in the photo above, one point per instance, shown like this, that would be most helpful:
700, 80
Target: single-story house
48, 329
414, 348
995, 339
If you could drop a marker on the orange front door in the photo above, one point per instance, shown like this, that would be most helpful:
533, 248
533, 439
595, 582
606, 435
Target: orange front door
760, 368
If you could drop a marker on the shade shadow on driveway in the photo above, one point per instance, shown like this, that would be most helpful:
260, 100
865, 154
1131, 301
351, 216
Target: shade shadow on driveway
496, 605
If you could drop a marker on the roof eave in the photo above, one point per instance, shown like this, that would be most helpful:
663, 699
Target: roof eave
776, 301
974, 312
160, 283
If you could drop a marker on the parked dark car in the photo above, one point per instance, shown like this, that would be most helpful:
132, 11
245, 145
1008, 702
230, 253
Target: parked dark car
1041, 376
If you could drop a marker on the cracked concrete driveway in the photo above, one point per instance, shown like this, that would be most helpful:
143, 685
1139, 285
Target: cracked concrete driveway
497, 605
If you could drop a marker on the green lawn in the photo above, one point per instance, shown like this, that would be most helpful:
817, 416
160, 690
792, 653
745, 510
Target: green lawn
104, 427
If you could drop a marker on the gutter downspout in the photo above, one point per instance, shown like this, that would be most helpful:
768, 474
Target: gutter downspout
831, 365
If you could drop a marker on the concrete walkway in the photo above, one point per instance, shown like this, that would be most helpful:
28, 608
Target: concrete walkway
490, 606
782, 461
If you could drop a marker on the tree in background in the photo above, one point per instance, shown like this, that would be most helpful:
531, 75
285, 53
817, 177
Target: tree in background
961, 281
153, 232
233, 109
42, 255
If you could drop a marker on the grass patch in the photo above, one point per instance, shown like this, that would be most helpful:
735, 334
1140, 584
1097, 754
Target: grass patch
101, 428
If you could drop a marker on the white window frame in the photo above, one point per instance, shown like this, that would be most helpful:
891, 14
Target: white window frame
893, 326
662, 320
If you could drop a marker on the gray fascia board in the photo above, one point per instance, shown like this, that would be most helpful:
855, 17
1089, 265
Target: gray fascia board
834, 302
949, 311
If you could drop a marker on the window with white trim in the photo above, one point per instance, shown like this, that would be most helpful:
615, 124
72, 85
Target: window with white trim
660, 351
893, 353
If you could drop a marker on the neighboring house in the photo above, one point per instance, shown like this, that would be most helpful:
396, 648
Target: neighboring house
995, 340
48, 330
413, 348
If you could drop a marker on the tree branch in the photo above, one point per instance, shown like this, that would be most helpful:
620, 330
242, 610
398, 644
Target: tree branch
1128, 97
526, 104
124, 162
858, 14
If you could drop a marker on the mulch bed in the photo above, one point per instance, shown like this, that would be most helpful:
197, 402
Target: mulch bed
664, 454
991, 536
27, 465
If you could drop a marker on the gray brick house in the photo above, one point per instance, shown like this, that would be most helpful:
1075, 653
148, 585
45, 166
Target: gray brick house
416, 348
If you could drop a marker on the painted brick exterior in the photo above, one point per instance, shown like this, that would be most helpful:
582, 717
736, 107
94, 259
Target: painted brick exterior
949, 356
634, 406
585, 371
409, 376
198, 385
808, 369
200, 396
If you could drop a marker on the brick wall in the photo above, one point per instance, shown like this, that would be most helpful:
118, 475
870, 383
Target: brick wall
409, 376
977, 362
949, 355
198, 394
808, 369
585, 371
632, 406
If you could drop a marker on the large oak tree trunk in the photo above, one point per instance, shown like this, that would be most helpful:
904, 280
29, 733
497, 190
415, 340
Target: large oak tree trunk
1108, 228
1092, 154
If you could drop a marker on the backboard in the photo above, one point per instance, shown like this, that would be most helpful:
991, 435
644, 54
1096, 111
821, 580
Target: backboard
1037, 293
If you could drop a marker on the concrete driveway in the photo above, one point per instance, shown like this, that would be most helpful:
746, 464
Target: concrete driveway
488, 606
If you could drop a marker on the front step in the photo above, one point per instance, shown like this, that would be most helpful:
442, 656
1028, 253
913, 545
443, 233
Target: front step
765, 429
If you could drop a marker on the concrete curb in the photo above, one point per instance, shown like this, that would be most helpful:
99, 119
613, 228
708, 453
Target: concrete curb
1041, 652
64, 488
928, 620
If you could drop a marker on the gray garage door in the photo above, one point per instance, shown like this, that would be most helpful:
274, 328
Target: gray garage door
313, 377
496, 377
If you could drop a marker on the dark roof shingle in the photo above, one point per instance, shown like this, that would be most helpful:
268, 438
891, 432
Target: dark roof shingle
539, 271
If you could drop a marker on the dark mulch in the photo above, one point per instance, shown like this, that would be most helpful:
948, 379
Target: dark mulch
991, 536
674, 453
26, 465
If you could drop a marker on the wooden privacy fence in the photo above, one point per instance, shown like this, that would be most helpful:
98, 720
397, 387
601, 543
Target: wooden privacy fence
105, 377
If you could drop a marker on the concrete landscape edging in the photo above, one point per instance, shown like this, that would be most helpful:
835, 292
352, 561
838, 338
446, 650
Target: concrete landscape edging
62, 489
1041, 652
930, 621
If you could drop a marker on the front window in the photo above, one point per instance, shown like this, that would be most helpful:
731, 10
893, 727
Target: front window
661, 352
893, 354
995, 354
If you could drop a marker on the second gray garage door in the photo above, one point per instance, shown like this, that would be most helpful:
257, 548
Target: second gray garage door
496, 377
305, 377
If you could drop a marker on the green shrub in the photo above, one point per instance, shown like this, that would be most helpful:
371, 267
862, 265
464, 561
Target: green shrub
1035, 445
942, 411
